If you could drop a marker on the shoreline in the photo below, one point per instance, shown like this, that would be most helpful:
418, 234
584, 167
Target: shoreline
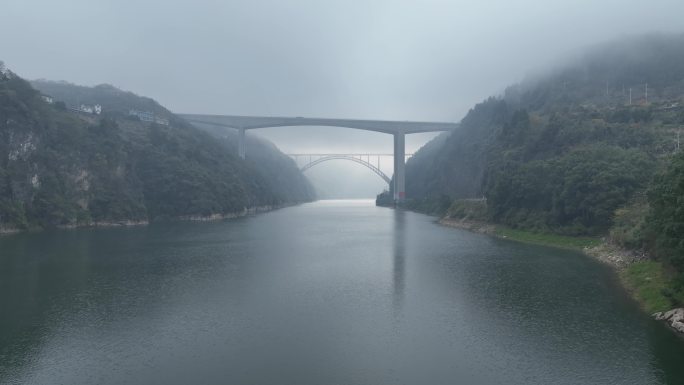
598, 249
641, 278
7, 231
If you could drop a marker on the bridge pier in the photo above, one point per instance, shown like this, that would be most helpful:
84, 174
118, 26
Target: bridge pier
399, 167
397, 128
241, 143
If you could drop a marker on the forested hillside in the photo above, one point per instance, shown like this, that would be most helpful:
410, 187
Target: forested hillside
588, 149
59, 167
563, 151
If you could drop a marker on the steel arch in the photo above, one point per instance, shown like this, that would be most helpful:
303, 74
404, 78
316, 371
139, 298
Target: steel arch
360, 161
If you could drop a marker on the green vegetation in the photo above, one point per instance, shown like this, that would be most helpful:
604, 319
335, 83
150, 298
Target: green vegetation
565, 158
60, 168
429, 206
562, 152
563, 241
384, 199
574, 193
666, 217
647, 280
630, 229
425, 205
656, 224
468, 209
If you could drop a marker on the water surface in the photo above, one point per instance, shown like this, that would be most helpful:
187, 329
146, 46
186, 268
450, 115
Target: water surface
336, 292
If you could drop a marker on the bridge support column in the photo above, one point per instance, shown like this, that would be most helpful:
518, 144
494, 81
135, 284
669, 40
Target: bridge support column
399, 167
241, 143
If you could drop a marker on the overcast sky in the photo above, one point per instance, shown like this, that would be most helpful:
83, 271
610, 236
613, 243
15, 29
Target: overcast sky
385, 59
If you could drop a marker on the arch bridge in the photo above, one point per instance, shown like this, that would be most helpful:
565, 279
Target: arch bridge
365, 160
398, 129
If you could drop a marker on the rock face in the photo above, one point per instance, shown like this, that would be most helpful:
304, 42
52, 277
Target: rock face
614, 255
674, 318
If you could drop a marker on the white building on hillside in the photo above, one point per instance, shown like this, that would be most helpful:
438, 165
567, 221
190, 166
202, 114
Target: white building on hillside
96, 109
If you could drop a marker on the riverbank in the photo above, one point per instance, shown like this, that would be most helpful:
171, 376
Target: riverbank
646, 280
566, 242
130, 223
8, 230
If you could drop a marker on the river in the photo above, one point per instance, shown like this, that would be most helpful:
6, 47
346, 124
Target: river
332, 292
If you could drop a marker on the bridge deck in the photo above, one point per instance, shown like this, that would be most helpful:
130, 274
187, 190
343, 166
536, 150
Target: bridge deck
384, 126
398, 129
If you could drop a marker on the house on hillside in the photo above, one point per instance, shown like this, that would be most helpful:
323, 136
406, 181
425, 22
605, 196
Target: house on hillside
88, 109
47, 99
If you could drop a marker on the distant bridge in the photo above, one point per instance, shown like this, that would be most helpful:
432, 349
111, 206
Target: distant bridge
396, 128
362, 159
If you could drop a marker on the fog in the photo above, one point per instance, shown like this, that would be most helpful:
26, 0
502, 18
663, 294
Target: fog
428, 60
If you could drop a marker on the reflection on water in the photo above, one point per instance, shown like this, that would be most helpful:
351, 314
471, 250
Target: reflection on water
398, 260
330, 292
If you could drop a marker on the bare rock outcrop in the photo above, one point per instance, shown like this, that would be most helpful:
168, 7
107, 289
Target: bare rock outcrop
674, 318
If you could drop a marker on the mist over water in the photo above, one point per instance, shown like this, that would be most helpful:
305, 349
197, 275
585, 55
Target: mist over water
337, 291
342, 179
328, 292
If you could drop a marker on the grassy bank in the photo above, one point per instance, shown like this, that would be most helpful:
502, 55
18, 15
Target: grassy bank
649, 284
567, 242
472, 214
647, 281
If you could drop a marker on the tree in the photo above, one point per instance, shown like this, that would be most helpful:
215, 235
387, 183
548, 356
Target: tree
666, 198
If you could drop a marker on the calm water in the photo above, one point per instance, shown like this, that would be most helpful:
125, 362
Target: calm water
325, 293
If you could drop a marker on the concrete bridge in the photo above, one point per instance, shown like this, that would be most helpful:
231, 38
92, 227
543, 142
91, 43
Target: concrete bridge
399, 129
